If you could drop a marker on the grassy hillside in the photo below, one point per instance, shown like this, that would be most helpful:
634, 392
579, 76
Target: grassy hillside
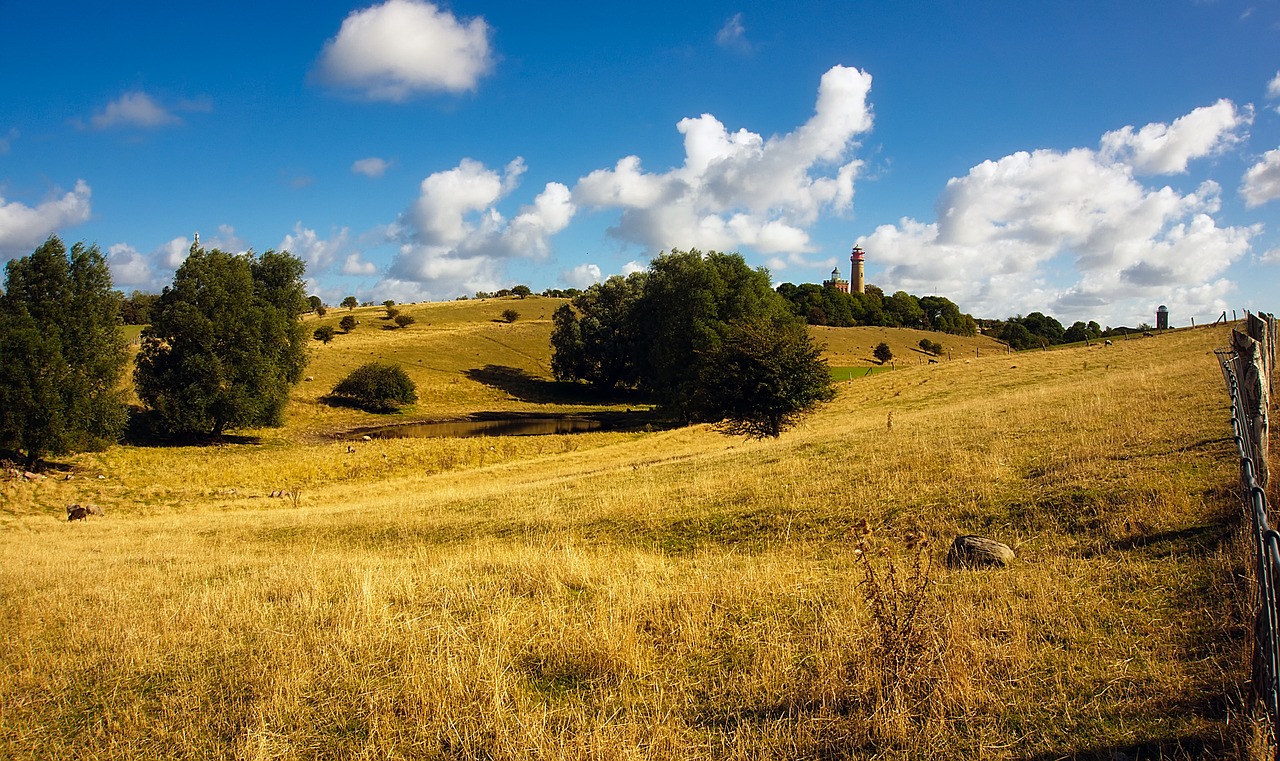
674, 594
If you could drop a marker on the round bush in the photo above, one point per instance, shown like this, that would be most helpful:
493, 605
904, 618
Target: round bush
377, 388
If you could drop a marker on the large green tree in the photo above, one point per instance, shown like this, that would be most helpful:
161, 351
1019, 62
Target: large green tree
764, 376
704, 334
225, 344
64, 352
597, 339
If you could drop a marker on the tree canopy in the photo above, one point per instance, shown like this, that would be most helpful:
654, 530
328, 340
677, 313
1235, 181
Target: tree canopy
225, 344
377, 387
64, 353
704, 335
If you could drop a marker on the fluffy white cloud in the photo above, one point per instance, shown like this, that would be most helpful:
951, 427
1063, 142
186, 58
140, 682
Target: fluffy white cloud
1273, 88
22, 227
583, 276
130, 269
739, 188
1011, 233
319, 253
402, 47
355, 264
1166, 148
152, 271
454, 237
134, 109
371, 167
1262, 180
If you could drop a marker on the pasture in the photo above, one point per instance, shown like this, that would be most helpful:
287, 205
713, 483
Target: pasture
663, 594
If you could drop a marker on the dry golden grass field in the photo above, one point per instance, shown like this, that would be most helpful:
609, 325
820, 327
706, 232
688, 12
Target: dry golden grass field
672, 594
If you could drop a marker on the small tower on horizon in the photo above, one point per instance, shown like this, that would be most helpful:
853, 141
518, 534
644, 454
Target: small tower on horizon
856, 282
836, 281
1162, 318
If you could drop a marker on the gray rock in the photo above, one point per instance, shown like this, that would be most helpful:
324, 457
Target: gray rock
978, 552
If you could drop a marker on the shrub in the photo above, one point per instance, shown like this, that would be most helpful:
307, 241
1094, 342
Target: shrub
348, 324
510, 315
392, 312
404, 320
377, 387
324, 333
882, 352
932, 347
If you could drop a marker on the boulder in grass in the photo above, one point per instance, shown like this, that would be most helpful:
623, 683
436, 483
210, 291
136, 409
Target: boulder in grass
978, 552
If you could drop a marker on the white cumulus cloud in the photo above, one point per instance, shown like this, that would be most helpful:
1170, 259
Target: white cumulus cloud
23, 228
1074, 232
583, 276
1166, 148
740, 188
403, 47
355, 264
455, 238
1262, 180
319, 253
1273, 89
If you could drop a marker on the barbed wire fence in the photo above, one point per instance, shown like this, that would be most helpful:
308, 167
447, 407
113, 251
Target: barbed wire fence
1247, 368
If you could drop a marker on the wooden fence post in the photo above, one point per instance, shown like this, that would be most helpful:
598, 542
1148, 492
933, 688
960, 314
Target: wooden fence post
1252, 374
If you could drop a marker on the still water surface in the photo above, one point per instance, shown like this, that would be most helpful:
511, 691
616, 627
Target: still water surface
465, 428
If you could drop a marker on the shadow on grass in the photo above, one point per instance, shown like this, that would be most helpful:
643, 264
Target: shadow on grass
1194, 746
144, 430
521, 385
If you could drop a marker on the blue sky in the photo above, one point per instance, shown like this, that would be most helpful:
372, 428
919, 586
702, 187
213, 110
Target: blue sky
1091, 159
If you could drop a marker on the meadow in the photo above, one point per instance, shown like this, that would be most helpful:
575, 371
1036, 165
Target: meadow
670, 593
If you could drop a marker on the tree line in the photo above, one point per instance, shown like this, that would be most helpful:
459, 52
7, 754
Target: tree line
222, 347
826, 305
704, 336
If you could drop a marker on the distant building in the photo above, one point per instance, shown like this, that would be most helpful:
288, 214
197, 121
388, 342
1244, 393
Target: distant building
855, 271
836, 282
1162, 318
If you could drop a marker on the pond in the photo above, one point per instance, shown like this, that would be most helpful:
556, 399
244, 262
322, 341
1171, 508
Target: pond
522, 426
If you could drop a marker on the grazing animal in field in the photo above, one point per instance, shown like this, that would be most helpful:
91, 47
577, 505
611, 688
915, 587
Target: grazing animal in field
95, 510
76, 513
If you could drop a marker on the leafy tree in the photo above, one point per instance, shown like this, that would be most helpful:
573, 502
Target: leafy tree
510, 315
388, 303
764, 376
324, 333
688, 303
1017, 336
136, 308
904, 310
321, 311
521, 291
882, 352
314, 302
377, 387
350, 302
347, 323
598, 338
404, 320
932, 347
225, 343
704, 334
63, 352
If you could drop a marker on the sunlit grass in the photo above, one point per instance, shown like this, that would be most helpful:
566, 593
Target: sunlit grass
674, 594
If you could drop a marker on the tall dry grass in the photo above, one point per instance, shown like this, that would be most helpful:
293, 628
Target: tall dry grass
673, 594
